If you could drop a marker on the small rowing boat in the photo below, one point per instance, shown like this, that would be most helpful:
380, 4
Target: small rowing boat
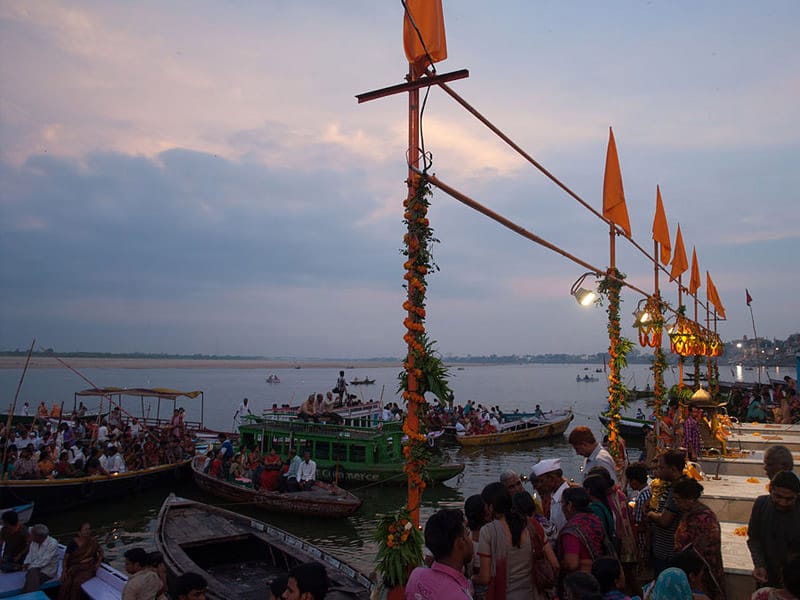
365, 381
238, 555
521, 430
322, 500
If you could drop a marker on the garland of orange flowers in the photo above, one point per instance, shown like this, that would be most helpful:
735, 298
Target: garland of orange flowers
618, 349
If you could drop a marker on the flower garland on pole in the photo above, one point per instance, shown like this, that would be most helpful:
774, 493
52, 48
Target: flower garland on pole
618, 349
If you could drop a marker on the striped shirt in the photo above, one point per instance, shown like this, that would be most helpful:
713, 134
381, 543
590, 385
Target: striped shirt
664, 537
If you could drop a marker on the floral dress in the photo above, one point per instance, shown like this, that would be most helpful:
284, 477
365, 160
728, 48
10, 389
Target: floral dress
699, 530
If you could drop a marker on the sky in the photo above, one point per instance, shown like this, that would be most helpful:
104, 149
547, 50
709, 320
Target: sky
197, 177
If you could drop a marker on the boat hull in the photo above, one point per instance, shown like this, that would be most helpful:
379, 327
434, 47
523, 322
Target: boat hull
324, 500
50, 495
535, 432
223, 545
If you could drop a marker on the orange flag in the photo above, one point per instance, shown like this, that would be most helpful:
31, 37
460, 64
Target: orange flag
661, 229
679, 264
694, 282
713, 297
428, 18
614, 208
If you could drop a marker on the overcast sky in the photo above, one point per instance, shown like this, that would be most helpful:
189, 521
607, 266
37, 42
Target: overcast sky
197, 176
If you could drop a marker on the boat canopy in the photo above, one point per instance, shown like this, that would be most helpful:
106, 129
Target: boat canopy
166, 393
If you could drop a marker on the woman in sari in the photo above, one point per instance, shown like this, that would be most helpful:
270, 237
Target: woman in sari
81, 560
699, 530
505, 549
582, 539
271, 472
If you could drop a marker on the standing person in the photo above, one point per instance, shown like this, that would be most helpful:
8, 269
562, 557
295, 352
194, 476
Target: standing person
665, 517
505, 548
477, 515
549, 482
636, 475
699, 531
582, 540
451, 545
691, 433
306, 472
41, 563
82, 558
241, 414
585, 444
774, 529
341, 386
143, 582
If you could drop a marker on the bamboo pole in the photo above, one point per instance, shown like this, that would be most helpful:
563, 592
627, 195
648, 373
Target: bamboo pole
11, 412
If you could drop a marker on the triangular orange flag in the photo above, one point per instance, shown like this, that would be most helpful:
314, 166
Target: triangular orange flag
713, 296
614, 208
661, 229
694, 282
428, 17
679, 264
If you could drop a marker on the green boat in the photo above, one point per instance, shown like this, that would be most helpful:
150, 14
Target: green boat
346, 456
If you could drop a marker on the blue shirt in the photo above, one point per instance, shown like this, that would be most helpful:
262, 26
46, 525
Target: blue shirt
293, 466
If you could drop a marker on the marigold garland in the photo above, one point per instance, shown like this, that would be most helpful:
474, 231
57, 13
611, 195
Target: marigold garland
399, 547
618, 350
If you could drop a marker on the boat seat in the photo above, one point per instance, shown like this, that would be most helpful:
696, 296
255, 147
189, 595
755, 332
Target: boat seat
107, 584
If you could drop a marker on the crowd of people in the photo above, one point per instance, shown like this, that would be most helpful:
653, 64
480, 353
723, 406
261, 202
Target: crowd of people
778, 403
645, 534
52, 449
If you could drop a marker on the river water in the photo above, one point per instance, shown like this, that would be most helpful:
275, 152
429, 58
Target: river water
130, 521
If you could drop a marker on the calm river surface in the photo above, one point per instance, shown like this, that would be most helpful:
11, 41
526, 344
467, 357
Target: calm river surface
130, 522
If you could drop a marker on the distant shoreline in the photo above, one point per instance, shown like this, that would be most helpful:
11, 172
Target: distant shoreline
38, 362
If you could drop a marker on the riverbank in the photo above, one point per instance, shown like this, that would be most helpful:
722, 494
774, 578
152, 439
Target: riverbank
41, 362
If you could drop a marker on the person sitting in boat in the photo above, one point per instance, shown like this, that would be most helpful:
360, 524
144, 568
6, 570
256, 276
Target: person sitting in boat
143, 582
81, 410
112, 461
55, 412
26, 467
46, 465
640, 414
308, 581
386, 413
41, 411
288, 482
215, 466
190, 586
307, 409
306, 472
63, 468
537, 413
755, 410
267, 475
14, 538
41, 562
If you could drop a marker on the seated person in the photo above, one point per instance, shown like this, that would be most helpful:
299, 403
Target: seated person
14, 538
41, 562
306, 472
63, 468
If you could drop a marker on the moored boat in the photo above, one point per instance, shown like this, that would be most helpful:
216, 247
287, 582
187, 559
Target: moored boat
520, 430
24, 511
347, 455
51, 495
322, 500
239, 555
629, 427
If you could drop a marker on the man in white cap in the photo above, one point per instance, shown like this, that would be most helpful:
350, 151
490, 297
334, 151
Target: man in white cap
549, 482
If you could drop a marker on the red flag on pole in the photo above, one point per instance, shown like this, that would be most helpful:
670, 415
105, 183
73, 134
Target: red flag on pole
661, 229
694, 282
614, 208
424, 19
679, 262
749, 297
713, 296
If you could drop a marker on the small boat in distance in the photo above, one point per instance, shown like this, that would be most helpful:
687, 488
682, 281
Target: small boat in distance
522, 429
273, 379
322, 500
587, 378
365, 381
238, 555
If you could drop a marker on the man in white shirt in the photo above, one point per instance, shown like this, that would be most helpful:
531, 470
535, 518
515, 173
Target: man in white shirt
76, 456
102, 433
548, 481
41, 563
583, 441
306, 472
242, 412
112, 461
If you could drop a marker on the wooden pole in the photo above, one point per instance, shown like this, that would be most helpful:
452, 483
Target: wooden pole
14, 405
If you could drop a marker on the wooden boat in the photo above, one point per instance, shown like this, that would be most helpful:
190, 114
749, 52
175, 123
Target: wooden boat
520, 430
51, 495
628, 426
323, 500
273, 379
24, 511
346, 455
106, 584
239, 555
586, 378
365, 381
358, 415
